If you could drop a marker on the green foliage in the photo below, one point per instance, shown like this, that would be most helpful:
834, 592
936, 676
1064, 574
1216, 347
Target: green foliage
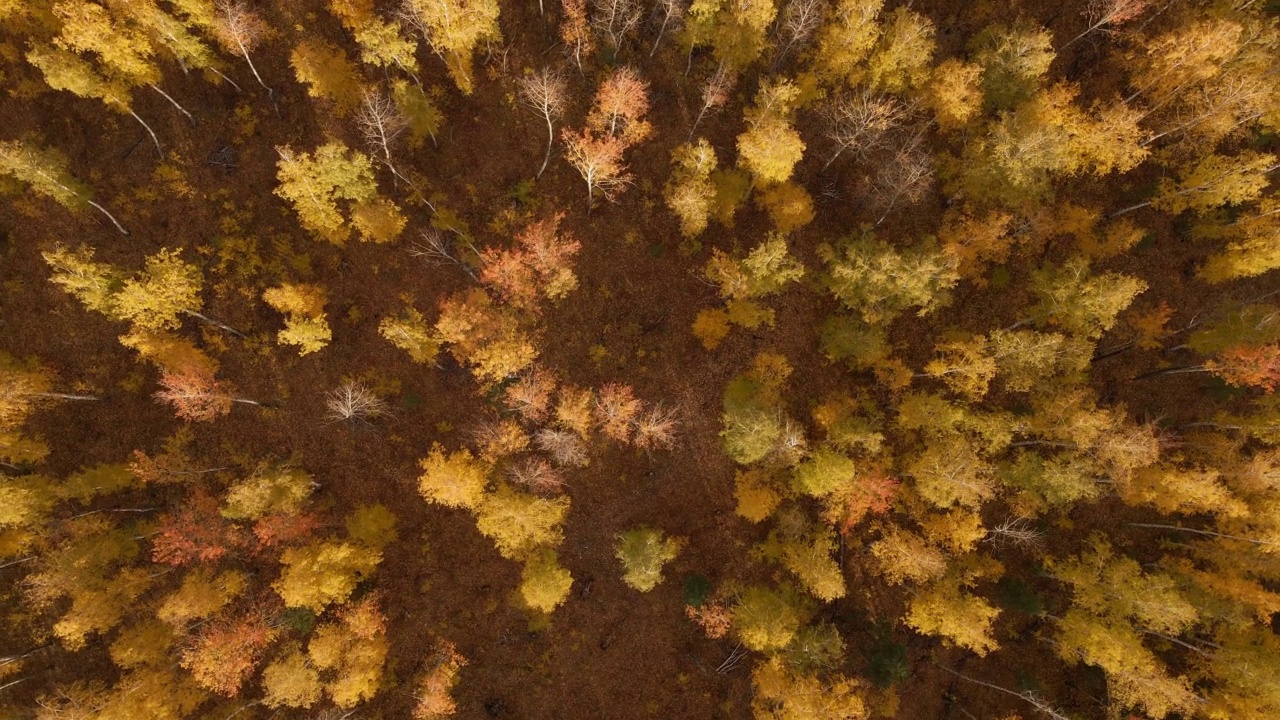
1079, 301
878, 281
643, 551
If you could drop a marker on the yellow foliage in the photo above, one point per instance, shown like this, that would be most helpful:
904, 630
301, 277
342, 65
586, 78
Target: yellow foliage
323, 572
766, 619
457, 480
166, 289
327, 73
544, 584
711, 326
519, 522
269, 491
953, 93
201, 595
410, 332
643, 551
962, 619
770, 150
378, 220
756, 499
291, 681
789, 206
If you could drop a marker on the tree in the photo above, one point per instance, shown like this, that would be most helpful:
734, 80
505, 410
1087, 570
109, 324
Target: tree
1106, 15
783, 693
305, 324
94, 284
540, 265
225, 653
950, 472
45, 172
823, 472
689, 192
614, 124
544, 584
291, 681
575, 31
22, 386
954, 93
800, 20
1014, 60
545, 92
323, 572
422, 116
846, 39
670, 10
270, 490
314, 185
805, 551
771, 147
767, 619
643, 551
966, 366
901, 58
1214, 181
961, 618
454, 28
715, 93
352, 402
409, 331
456, 480
352, 651
328, 73
615, 19
1252, 249
201, 595
518, 523
195, 393
194, 532
167, 288
381, 122
599, 161
736, 31
442, 674
880, 282
1079, 301
486, 335
237, 28
859, 122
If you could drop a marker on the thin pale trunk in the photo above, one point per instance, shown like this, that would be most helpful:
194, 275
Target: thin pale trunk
110, 217
551, 137
247, 401
215, 323
1073, 40
150, 132
1174, 371
1210, 533
1130, 209
64, 396
114, 510
833, 157
175, 104
661, 30
28, 558
220, 74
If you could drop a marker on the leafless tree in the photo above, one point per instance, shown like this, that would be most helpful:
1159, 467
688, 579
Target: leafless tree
564, 446
799, 21
240, 29
715, 93
615, 19
1105, 15
655, 428
354, 403
1016, 530
536, 474
859, 123
544, 91
439, 249
380, 122
906, 177
671, 11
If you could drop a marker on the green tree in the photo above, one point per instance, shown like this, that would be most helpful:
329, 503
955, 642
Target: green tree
643, 551
45, 171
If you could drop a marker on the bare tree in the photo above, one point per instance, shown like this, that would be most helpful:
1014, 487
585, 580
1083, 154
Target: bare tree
1104, 15
615, 19
671, 11
1015, 530
536, 474
715, 93
354, 403
797, 25
564, 446
859, 123
599, 161
544, 91
439, 249
655, 428
381, 122
239, 29
906, 177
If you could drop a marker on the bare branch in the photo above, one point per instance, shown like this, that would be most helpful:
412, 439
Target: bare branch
545, 92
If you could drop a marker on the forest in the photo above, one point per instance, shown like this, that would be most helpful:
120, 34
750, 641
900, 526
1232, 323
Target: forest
576, 359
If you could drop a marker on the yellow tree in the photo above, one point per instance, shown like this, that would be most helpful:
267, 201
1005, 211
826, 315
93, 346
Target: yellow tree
305, 323
324, 572
519, 522
962, 619
736, 30
847, 39
454, 28
316, 184
453, 480
771, 147
544, 583
327, 73
643, 551
44, 170
900, 61
689, 192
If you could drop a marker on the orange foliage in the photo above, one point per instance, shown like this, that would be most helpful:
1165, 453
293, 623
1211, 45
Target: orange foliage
714, 618
194, 393
1249, 366
531, 394
226, 653
538, 266
275, 530
196, 532
851, 502
616, 406
433, 695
